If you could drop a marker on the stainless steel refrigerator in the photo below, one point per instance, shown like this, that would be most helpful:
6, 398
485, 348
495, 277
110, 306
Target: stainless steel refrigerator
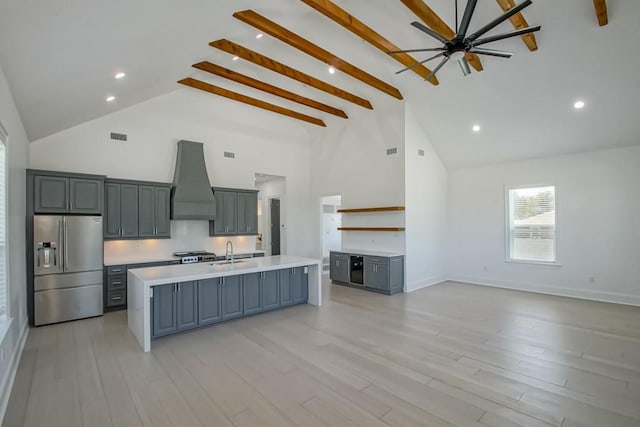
67, 267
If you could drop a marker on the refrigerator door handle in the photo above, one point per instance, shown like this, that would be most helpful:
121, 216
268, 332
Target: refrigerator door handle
60, 246
64, 249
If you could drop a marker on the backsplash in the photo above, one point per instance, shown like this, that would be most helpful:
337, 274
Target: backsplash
185, 236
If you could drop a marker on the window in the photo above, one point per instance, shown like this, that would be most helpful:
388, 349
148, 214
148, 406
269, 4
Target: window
532, 224
3, 226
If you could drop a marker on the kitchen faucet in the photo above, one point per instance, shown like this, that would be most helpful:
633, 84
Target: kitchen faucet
229, 244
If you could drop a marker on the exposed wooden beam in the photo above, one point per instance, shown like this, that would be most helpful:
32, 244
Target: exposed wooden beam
601, 12
429, 17
292, 39
371, 229
292, 73
266, 87
351, 23
216, 90
519, 22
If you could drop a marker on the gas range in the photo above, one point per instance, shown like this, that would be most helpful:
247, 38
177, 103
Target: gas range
195, 256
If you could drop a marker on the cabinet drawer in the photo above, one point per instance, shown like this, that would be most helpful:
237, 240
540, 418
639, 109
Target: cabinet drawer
116, 269
115, 298
116, 283
376, 260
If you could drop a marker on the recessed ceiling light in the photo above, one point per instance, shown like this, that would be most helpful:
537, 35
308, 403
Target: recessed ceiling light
476, 128
332, 70
235, 58
119, 75
259, 35
110, 98
578, 105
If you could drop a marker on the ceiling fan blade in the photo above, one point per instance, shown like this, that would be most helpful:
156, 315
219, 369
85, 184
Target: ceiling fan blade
432, 49
418, 63
506, 35
466, 18
435, 70
464, 66
429, 31
491, 52
491, 25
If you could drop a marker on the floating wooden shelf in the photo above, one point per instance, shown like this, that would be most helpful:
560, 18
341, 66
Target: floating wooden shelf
371, 228
363, 210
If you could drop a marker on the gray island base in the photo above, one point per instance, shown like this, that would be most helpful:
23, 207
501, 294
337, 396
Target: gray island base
170, 299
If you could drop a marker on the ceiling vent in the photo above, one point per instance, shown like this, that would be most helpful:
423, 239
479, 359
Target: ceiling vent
421, 153
230, 155
391, 151
118, 136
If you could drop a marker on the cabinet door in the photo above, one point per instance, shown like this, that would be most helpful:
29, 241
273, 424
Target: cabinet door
247, 213
187, 306
270, 291
162, 211
51, 194
286, 296
85, 196
164, 310
146, 211
209, 301
339, 267
300, 285
230, 212
112, 225
231, 297
217, 227
251, 293
129, 210
370, 275
382, 273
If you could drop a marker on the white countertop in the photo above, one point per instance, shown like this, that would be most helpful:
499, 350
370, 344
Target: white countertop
370, 253
115, 260
152, 276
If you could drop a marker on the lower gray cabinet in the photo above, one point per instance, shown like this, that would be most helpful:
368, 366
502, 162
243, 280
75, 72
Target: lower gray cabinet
339, 267
284, 280
270, 290
300, 285
164, 310
209, 301
252, 293
231, 297
187, 305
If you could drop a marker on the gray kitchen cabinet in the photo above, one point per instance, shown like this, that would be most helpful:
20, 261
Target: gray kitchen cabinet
270, 290
232, 297
209, 301
284, 279
58, 193
376, 275
165, 318
252, 293
121, 211
339, 267
247, 212
187, 306
236, 212
300, 285
153, 211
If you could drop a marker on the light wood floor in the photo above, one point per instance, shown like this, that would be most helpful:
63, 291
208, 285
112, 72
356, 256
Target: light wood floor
449, 355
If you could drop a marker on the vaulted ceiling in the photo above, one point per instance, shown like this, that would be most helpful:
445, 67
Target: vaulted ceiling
60, 57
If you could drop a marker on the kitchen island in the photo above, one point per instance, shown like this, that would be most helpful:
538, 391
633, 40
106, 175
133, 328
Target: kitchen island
175, 298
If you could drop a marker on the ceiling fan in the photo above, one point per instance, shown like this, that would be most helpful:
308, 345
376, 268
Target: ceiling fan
457, 47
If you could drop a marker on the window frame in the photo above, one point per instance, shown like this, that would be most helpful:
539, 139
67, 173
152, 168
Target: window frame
4, 140
507, 225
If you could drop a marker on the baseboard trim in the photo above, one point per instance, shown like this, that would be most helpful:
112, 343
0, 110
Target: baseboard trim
7, 385
421, 284
610, 297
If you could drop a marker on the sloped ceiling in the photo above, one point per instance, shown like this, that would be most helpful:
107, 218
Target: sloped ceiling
60, 57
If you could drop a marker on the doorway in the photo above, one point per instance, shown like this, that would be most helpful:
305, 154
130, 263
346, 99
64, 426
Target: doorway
331, 220
272, 208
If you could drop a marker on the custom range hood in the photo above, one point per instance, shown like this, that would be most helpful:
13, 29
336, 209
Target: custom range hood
191, 194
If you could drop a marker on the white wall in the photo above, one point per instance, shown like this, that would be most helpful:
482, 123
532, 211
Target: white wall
262, 142
274, 189
17, 150
349, 158
426, 204
598, 200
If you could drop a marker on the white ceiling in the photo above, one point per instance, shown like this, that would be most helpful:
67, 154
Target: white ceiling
60, 57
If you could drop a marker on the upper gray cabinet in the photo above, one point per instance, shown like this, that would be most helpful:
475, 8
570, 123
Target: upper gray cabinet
136, 210
236, 212
60, 193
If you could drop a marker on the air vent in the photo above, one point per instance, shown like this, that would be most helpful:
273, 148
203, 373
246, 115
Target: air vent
391, 151
118, 136
421, 153
230, 155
